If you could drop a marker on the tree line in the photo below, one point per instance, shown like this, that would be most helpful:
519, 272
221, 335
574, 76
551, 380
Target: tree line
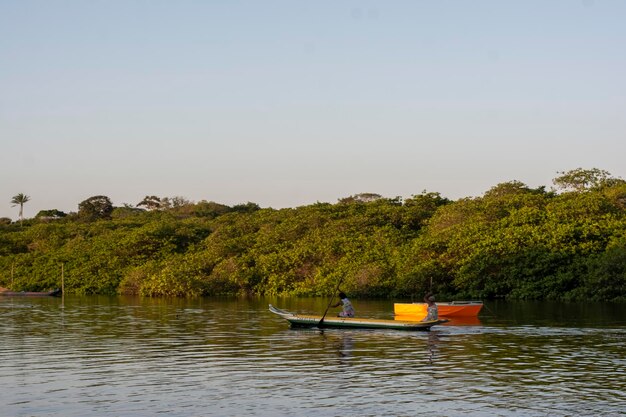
516, 242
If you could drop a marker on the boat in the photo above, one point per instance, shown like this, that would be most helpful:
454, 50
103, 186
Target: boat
52, 293
451, 309
310, 321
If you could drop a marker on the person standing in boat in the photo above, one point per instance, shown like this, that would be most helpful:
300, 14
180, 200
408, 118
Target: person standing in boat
348, 310
432, 313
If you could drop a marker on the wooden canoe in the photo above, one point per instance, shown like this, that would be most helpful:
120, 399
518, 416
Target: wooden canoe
52, 293
309, 321
451, 309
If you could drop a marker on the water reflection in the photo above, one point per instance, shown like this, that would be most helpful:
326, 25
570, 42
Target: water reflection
433, 343
230, 357
341, 342
463, 321
452, 321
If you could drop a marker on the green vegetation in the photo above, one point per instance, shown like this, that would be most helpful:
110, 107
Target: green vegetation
19, 200
514, 241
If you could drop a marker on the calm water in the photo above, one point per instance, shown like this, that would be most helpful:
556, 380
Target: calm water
99, 356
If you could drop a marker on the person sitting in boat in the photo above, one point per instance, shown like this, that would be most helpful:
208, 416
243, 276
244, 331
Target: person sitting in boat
432, 313
348, 310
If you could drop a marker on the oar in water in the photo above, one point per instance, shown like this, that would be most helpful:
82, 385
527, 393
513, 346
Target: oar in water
320, 324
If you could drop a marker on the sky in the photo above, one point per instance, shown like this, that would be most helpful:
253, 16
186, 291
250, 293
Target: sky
289, 103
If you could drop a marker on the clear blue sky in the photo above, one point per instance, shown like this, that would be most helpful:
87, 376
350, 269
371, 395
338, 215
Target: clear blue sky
286, 103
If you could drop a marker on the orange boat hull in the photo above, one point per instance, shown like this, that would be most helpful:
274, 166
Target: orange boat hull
454, 309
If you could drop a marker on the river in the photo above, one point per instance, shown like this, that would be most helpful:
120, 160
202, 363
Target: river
120, 356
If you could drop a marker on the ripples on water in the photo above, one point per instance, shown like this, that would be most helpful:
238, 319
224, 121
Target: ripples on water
129, 357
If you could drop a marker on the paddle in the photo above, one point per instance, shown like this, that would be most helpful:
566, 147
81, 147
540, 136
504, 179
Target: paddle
329, 303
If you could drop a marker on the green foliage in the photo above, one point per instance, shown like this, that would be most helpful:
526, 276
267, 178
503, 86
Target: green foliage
585, 179
50, 214
360, 198
249, 207
95, 208
19, 200
210, 209
150, 202
513, 242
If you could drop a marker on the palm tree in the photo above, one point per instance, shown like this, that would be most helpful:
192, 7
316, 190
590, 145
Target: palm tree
20, 200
